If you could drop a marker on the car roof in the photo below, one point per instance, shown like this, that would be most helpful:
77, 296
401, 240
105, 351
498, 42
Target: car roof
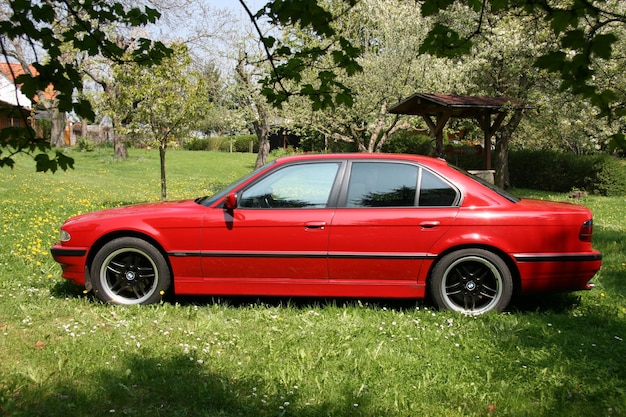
364, 156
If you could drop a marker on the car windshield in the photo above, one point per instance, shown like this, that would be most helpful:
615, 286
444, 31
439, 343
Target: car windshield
489, 185
209, 200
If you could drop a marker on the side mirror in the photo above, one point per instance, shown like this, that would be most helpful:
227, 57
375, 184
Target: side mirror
230, 201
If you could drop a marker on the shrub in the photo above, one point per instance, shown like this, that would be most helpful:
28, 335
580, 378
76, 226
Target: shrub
84, 144
241, 143
196, 144
406, 141
562, 172
223, 143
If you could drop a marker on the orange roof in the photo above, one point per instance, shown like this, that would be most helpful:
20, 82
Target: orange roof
12, 71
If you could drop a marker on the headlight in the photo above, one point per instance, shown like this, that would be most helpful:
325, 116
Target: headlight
65, 236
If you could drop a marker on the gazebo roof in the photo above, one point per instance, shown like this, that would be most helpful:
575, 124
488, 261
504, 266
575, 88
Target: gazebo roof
459, 106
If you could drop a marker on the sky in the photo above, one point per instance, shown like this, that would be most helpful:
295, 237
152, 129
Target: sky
235, 5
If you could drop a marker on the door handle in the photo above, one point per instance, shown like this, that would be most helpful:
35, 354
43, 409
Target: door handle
429, 224
315, 225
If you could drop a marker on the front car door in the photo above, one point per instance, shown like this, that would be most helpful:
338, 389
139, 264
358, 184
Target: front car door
278, 232
390, 215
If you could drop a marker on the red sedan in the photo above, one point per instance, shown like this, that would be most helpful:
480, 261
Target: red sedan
390, 226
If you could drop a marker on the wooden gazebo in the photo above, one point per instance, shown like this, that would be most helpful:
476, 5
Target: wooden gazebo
437, 109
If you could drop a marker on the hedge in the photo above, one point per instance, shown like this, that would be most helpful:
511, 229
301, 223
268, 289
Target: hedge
600, 174
223, 143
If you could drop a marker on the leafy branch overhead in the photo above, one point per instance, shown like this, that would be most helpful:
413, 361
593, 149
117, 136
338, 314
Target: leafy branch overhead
584, 29
290, 61
49, 29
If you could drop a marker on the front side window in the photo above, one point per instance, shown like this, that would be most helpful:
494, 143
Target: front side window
295, 186
382, 185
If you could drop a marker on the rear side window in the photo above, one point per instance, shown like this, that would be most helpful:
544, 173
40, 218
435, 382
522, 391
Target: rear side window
392, 184
435, 192
382, 185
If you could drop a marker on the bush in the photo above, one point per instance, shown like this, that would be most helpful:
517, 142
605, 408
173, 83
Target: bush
223, 143
196, 144
562, 172
406, 141
84, 144
242, 143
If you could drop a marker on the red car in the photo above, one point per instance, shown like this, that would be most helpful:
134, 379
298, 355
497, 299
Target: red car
364, 225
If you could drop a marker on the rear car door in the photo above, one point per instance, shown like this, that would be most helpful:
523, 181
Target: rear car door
389, 216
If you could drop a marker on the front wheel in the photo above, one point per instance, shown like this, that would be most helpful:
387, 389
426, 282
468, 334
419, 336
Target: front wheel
129, 271
471, 281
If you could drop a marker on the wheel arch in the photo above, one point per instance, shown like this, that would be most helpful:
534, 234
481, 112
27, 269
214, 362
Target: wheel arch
103, 240
508, 260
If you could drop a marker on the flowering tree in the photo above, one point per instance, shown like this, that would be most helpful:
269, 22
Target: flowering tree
162, 102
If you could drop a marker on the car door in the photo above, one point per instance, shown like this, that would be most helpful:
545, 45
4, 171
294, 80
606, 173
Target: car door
390, 215
279, 230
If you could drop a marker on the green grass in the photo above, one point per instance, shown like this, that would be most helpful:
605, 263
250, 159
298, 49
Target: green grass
64, 354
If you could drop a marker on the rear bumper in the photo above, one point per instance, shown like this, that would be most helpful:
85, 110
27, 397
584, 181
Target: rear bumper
561, 272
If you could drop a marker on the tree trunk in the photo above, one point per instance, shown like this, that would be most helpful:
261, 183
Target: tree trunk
119, 148
262, 131
502, 179
57, 134
162, 150
502, 167
84, 132
262, 125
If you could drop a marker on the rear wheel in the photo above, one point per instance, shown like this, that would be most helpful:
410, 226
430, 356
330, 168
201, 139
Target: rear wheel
471, 281
129, 271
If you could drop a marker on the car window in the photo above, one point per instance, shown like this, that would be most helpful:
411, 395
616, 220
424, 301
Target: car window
375, 184
294, 186
435, 192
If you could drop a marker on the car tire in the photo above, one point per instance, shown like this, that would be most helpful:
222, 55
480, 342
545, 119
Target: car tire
129, 271
471, 281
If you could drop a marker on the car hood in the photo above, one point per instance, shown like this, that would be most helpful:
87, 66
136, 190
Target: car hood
144, 210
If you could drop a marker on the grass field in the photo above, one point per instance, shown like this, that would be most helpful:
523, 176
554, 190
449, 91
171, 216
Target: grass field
62, 353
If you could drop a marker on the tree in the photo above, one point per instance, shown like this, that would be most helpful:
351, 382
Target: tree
586, 33
36, 24
288, 61
161, 102
258, 111
388, 33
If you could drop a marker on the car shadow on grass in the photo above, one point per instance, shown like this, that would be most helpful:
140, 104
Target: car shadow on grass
540, 303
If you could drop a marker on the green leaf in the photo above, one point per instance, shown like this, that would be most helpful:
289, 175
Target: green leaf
64, 161
496, 5
574, 39
553, 62
443, 41
7, 162
618, 141
433, 7
560, 20
44, 163
602, 45
269, 41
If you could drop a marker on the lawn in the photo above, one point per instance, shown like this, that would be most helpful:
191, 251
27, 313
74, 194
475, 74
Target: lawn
62, 353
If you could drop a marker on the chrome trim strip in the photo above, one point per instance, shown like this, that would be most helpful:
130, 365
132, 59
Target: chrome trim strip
309, 255
559, 257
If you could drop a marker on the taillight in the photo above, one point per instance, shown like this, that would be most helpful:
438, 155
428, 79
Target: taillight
586, 231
